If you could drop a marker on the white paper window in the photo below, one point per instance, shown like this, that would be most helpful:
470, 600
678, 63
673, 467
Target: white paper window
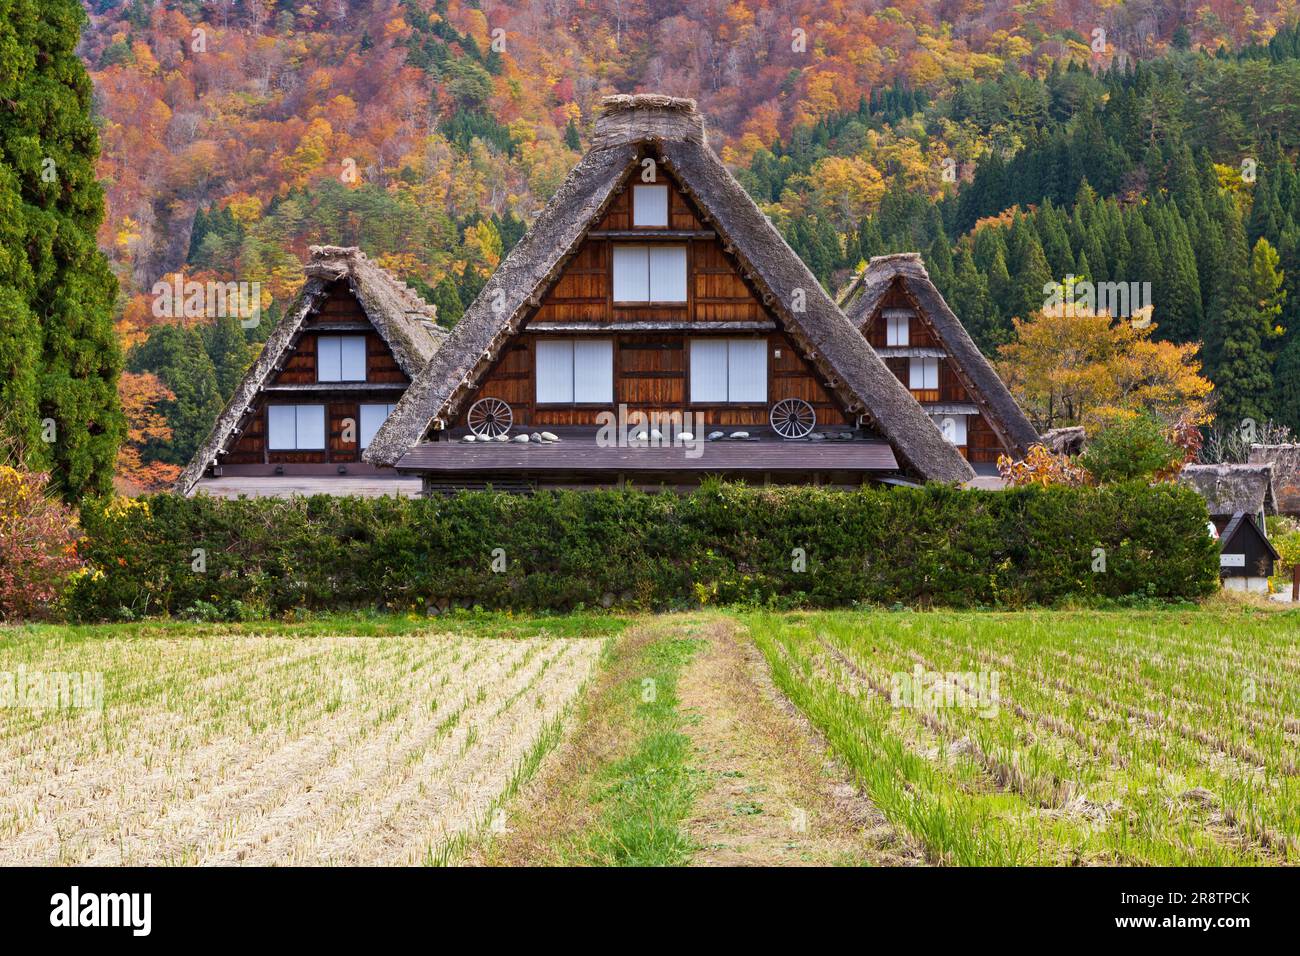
923, 373
952, 427
295, 427
631, 274
372, 416
708, 370
575, 370
747, 370
281, 427
729, 370
649, 205
341, 358
554, 370
593, 370
897, 331
667, 273
650, 273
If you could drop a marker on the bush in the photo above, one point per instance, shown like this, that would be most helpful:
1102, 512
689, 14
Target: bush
1128, 448
38, 551
560, 551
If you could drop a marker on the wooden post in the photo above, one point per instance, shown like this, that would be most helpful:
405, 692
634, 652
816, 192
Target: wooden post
1295, 583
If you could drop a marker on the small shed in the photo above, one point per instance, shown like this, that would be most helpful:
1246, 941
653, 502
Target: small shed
1245, 555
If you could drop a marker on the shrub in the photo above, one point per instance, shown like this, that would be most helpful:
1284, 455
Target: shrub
1130, 447
38, 550
560, 551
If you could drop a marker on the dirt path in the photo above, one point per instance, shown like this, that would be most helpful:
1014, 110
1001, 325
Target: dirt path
769, 795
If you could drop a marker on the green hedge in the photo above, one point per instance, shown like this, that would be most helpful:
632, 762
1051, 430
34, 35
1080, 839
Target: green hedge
724, 544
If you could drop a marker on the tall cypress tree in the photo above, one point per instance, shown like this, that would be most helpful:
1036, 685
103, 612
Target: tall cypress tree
1237, 359
48, 147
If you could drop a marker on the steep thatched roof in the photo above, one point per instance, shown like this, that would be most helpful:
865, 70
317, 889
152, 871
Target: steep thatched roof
1229, 489
863, 299
675, 130
403, 319
1285, 460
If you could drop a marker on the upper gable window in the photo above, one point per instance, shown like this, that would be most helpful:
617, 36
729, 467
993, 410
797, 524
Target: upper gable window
650, 206
897, 330
341, 358
650, 273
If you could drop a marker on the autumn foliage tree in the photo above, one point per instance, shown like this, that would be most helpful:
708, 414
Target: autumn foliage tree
1073, 367
142, 396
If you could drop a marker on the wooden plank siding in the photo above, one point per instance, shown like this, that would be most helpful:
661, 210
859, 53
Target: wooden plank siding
341, 314
652, 366
983, 445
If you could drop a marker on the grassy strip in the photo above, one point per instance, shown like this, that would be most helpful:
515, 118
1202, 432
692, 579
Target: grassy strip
619, 789
648, 794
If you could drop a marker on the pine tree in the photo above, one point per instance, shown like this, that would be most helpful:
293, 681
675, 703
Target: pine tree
229, 351
1237, 360
571, 138
447, 299
969, 299
52, 207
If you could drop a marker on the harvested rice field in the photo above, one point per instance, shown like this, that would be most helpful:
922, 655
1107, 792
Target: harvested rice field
261, 749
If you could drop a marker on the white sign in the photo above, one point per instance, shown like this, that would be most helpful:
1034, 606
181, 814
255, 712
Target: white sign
1232, 560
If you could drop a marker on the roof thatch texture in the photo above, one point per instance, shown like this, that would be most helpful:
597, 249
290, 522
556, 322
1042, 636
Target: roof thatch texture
1229, 489
675, 129
403, 319
867, 292
1285, 460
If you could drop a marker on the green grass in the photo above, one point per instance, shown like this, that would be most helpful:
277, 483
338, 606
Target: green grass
643, 798
1154, 738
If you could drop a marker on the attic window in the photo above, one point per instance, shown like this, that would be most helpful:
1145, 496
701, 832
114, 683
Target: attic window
650, 206
341, 358
897, 330
649, 273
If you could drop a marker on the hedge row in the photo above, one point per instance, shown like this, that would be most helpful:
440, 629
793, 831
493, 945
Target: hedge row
724, 544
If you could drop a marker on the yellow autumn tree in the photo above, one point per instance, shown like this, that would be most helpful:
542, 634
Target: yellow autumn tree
1074, 367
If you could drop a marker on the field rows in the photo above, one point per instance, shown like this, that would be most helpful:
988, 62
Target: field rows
263, 749
1155, 742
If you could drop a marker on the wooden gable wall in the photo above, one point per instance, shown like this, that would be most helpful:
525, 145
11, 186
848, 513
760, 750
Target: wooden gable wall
652, 366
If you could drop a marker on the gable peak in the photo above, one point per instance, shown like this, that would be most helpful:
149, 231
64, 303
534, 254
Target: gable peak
634, 118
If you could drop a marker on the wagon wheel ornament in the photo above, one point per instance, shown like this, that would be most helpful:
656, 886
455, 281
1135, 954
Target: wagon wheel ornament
490, 418
793, 418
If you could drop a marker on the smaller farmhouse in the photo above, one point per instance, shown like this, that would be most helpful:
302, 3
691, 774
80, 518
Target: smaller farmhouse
329, 375
1237, 497
897, 307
